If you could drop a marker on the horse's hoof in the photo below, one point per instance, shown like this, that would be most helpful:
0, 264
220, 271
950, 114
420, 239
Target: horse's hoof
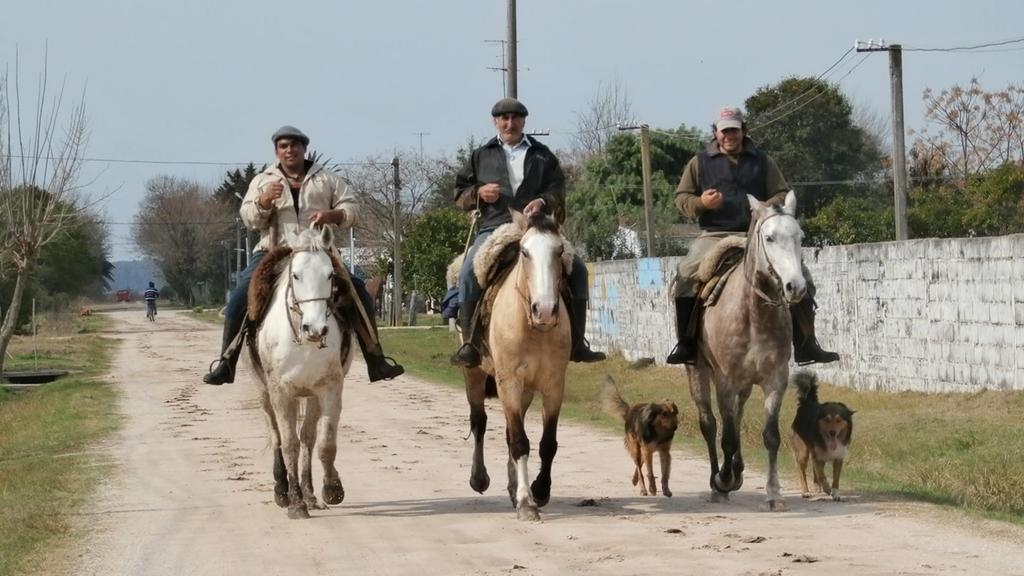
334, 493
666, 492
298, 512
806, 495
835, 496
480, 482
313, 504
718, 486
774, 506
528, 513
281, 499
541, 493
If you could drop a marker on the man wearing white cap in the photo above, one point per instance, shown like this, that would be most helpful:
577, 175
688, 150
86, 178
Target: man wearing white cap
713, 189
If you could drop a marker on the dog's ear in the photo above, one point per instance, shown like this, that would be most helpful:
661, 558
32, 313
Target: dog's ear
675, 409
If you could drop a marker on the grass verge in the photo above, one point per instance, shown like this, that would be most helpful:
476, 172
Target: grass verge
46, 468
964, 450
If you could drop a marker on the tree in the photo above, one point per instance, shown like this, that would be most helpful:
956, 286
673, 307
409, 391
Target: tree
39, 194
997, 202
235, 185
186, 231
432, 240
598, 122
976, 130
608, 193
807, 126
851, 220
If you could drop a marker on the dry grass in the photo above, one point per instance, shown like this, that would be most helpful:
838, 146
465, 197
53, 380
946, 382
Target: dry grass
46, 467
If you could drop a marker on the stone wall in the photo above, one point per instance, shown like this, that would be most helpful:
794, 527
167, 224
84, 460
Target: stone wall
937, 315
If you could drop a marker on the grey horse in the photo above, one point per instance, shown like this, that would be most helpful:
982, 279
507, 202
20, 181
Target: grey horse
745, 339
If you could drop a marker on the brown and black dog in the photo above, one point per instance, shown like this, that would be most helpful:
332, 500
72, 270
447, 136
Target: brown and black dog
649, 429
821, 432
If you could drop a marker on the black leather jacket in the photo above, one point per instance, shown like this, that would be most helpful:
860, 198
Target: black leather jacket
542, 178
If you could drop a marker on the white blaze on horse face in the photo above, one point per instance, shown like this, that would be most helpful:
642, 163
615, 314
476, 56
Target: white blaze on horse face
541, 253
311, 287
781, 237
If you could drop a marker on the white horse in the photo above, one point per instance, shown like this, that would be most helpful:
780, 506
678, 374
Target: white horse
300, 352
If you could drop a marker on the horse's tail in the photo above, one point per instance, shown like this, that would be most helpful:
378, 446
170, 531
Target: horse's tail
806, 383
612, 401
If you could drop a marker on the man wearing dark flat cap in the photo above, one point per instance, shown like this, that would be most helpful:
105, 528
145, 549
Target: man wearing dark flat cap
513, 170
289, 195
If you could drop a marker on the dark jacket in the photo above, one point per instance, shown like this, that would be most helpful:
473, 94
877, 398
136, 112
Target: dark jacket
747, 175
542, 178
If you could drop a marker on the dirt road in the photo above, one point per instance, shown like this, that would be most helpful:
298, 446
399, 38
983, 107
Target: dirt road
193, 495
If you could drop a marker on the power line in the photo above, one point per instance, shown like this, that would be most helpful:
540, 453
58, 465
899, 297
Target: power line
816, 96
966, 48
173, 162
796, 98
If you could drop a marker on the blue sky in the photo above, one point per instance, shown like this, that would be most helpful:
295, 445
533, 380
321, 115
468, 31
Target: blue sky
209, 81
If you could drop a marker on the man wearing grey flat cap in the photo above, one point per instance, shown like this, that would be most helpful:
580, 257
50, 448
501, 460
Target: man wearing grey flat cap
713, 189
315, 196
513, 170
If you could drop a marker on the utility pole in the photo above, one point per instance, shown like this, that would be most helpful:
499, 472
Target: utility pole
396, 296
899, 149
645, 164
421, 135
513, 80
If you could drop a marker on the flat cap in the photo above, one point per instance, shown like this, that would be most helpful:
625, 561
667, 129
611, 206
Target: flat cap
290, 132
509, 106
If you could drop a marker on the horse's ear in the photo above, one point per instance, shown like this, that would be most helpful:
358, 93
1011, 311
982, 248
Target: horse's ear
789, 207
327, 236
520, 220
755, 204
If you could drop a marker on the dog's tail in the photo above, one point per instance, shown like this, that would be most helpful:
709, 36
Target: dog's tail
806, 387
612, 400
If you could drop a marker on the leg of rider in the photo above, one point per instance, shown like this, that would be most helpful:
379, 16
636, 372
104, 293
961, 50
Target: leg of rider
234, 318
806, 349
579, 285
685, 350
468, 355
377, 366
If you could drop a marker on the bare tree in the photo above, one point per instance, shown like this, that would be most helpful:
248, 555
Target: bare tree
39, 171
976, 130
373, 183
185, 230
598, 122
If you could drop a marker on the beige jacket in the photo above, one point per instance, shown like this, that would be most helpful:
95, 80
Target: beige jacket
321, 190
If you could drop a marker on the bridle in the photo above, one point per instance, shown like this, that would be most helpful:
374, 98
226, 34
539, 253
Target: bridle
525, 297
772, 273
294, 305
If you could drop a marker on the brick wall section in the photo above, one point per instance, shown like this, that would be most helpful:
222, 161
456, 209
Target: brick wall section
937, 315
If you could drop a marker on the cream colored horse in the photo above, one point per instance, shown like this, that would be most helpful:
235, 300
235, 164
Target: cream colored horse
297, 355
527, 352
746, 340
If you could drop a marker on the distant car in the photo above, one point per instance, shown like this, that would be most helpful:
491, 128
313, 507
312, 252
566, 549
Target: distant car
124, 295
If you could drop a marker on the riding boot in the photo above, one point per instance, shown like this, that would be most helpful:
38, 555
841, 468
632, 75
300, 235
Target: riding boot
468, 355
231, 348
581, 351
378, 366
805, 346
685, 351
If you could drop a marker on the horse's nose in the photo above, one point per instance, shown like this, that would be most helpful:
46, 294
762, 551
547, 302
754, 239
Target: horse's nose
795, 292
323, 331
535, 310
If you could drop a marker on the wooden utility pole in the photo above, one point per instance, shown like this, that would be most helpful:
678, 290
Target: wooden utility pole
396, 295
512, 86
899, 149
645, 164
645, 170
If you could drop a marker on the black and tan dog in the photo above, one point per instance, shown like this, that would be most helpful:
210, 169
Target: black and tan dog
649, 429
821, 433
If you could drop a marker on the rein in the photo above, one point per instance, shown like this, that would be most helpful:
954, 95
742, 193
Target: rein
294, 305
751, 277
